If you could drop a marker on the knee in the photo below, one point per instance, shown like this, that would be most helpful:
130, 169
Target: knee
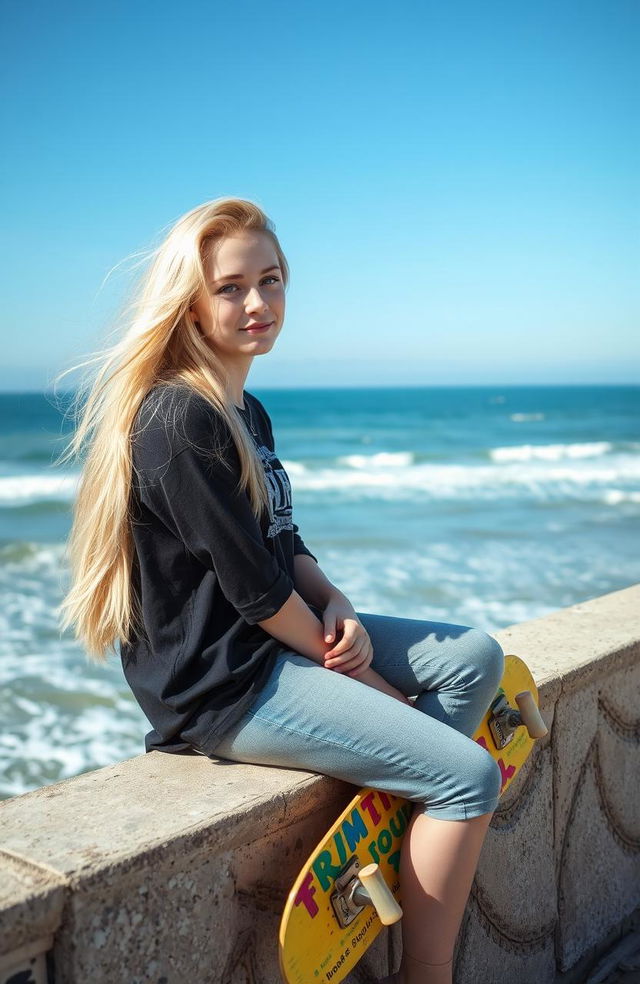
471, 788
487, 659
484, 777
489, 779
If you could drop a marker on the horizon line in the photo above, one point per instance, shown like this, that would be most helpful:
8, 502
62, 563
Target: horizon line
368, 386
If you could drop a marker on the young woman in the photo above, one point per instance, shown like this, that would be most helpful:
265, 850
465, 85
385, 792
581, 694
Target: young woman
184, 551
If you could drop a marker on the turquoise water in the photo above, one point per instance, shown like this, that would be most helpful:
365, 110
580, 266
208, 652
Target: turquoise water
485, 505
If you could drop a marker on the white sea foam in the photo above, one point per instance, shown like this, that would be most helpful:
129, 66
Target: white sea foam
537, 469
32, 581
488, 585
294, 467
22, 490
50, 745
614, 497
574, 477
383, 459
61, 715
550, 452
522, 418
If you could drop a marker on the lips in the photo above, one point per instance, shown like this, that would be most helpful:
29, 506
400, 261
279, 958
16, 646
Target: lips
258, 327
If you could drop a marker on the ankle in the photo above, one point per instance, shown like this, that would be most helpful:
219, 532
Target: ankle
425, 963
416, 971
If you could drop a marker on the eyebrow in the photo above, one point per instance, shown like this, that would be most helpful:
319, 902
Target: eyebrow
240, 276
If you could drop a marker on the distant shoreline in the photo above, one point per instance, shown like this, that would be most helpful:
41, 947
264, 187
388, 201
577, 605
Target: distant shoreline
374, 387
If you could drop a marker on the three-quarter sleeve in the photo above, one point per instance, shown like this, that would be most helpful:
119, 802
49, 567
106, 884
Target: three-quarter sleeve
188, 477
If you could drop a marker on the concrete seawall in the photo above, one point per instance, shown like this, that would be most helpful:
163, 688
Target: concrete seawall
168, 869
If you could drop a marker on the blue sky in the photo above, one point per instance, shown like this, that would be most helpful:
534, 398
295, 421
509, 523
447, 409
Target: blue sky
456, 185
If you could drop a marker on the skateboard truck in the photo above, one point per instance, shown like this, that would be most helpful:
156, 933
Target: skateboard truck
504, 719
357, 887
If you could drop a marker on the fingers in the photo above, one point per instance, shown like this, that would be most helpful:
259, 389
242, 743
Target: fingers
366, 655
351, 658
329, 626
352, 631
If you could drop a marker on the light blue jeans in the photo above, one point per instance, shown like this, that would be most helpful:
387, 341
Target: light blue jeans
308, 717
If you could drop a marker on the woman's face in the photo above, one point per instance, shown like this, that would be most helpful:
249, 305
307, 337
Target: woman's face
245, 293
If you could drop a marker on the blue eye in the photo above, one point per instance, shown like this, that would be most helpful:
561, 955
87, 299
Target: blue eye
232, 288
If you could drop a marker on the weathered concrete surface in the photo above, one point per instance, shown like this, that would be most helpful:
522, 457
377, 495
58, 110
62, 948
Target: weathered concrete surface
588, 656
31, 904
173, 868
124, 813
565, 648
597, 811
511, 921
31, 901
162, 853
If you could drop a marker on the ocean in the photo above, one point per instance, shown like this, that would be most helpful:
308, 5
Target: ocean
479, 505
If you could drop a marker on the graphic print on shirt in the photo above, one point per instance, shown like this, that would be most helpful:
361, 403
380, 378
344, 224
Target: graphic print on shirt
279, 487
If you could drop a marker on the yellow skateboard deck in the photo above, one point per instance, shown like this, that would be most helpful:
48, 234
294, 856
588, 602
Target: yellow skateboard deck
324, 931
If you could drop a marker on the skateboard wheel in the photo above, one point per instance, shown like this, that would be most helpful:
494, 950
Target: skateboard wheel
380, 894
531, 716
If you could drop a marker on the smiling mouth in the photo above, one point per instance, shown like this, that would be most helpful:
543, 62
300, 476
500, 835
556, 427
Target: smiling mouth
262, 327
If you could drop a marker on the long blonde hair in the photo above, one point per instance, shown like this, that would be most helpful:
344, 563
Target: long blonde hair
161, 344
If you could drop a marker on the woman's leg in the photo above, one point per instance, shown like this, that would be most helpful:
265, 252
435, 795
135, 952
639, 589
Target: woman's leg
438, 863
455, 671
312, 718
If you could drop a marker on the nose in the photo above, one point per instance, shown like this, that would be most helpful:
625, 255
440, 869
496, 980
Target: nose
255, 301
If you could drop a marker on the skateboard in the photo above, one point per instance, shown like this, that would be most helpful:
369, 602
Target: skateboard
349, 888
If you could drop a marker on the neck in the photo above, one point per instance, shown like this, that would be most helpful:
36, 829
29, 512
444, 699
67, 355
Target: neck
237, 373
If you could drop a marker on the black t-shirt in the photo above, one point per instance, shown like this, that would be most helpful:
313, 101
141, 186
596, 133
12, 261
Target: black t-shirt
206, 571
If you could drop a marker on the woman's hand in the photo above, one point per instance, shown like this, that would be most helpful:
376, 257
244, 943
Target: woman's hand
353, 653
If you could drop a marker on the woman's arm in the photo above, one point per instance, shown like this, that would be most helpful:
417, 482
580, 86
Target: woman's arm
298, 628
311, 583
314, 587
